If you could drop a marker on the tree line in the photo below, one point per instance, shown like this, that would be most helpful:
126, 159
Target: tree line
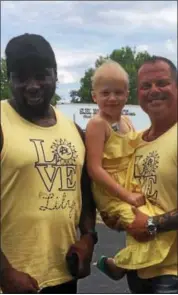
126, 56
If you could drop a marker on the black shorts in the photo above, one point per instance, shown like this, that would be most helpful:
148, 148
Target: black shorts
66, 288
165, 284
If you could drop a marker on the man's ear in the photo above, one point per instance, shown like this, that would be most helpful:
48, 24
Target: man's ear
93, 95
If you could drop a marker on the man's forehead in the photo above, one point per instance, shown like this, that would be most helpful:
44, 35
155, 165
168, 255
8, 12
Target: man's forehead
25, 69
30, 62
157, 68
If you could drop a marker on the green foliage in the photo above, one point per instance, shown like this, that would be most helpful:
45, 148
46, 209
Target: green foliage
128, 58
74, 96
55, 99
85, 89
5, 90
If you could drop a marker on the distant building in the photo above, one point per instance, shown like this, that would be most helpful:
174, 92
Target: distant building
81, 113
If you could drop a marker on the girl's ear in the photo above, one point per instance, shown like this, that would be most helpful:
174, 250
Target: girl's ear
93, 95
127, 95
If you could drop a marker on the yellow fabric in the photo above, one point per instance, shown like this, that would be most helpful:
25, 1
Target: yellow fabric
40, 194
156, 171
118, 161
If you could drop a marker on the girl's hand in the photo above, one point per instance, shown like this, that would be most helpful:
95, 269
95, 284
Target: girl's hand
136, 199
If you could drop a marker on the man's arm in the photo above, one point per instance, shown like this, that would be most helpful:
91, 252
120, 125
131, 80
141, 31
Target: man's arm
14, 281
5, 264
79, 256
167, 222
88, 214
1, 139
164, 223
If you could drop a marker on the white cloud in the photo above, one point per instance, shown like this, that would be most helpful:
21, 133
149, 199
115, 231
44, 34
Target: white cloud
171, 46
168, 49
75, 20
66, 77
81, 31
73, 63
165, 17
75, 58
142, 47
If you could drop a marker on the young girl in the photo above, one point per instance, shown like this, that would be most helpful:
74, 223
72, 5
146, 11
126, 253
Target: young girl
111, 142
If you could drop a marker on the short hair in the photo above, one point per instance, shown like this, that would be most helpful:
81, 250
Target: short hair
26, 46
104, 71
155, 58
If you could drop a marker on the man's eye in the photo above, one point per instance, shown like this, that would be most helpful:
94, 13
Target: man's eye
162, 83
145, 86
21, 79
40, 76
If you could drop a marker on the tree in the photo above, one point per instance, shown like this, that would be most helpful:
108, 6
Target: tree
128, 58
84, 93
55, 99
5, 90
100, 61
75, 96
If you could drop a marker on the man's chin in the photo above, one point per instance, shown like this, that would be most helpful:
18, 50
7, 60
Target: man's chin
37, 108
34, 102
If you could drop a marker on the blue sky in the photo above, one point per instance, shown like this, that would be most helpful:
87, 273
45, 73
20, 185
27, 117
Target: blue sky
81, 31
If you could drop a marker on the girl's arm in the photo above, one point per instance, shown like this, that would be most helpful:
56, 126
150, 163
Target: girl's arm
96, 135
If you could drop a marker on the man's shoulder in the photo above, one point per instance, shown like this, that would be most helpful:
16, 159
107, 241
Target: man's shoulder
4, 102
63, 116
80, 131
71, 122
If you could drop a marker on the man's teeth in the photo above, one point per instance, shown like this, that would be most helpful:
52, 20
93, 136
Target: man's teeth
158, 98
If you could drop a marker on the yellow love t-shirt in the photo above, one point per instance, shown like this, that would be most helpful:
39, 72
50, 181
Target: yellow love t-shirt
40, 194
155, 169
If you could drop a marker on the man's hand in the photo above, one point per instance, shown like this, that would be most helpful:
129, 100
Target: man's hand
13, 281
79, 257
138, 228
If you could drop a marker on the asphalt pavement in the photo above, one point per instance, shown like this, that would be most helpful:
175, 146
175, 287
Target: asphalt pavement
109, 243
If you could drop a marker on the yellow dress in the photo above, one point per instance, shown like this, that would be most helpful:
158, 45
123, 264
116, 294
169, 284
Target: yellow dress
118, 161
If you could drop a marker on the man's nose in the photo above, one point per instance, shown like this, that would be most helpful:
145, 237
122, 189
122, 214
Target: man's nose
32, 85
154, 89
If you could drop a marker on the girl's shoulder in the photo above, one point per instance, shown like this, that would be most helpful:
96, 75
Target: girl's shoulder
97, 125
97, 120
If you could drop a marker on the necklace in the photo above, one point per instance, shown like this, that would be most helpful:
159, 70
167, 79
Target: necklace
115, 127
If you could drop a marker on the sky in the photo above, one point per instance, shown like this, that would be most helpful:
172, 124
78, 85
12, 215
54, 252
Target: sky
81, 31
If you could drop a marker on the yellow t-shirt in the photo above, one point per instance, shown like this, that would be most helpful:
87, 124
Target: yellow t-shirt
156, 171
118, 161
40, 194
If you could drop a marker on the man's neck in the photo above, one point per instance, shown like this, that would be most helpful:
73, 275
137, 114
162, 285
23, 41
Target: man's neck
159, 127
47, 118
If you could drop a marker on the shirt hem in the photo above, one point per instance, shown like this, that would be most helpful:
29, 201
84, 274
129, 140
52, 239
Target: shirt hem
54, 282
